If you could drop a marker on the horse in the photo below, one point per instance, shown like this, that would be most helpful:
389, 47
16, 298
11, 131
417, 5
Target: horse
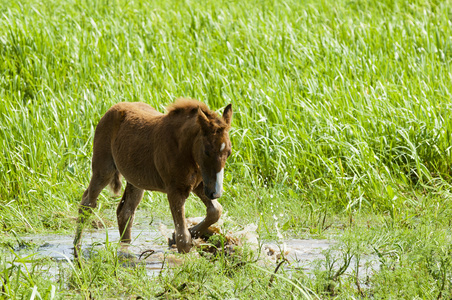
182, 151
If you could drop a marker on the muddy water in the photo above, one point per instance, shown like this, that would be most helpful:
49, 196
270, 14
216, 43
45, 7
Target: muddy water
60, 247
300, 253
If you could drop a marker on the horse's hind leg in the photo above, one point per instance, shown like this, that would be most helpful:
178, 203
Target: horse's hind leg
100, 179
126, 211
213, 213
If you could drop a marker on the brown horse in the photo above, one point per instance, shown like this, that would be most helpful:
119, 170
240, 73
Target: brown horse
176, 153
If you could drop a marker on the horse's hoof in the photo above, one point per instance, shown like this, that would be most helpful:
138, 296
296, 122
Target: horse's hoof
205, 235
172, 241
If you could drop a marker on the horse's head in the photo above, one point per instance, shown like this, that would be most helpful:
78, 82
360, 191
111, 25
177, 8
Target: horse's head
214, 149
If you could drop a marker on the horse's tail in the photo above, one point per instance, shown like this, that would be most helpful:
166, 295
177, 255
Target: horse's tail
115, 183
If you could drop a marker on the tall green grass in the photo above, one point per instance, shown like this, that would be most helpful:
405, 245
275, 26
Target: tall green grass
342, 104
342, 120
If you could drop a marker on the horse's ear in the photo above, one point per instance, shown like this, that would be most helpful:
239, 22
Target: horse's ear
203, 121
227, 114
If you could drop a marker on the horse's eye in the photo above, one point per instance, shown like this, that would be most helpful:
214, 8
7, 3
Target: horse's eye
206, 152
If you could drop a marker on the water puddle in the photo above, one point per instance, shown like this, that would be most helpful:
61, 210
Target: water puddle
150, 247
147, 240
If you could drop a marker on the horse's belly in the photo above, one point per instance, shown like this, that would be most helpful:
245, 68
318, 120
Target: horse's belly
147, 179
137, 166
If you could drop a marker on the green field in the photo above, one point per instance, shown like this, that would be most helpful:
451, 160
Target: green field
342, 128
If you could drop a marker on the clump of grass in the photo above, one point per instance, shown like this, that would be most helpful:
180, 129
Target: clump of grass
27, 277
230, 276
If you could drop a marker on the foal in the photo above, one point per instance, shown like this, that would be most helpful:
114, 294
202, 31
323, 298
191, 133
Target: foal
176, 153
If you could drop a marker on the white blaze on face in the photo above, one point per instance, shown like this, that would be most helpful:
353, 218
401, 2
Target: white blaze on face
219, 183
222, 146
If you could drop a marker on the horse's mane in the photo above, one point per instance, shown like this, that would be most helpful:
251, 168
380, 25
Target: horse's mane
183, 106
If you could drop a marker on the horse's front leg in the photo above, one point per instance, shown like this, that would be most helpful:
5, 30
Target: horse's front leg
213, 213
182, 235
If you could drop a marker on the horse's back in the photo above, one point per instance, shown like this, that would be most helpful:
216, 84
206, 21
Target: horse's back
137, 113
135, 108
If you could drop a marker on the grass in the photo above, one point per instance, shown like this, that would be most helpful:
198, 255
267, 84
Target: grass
341, 125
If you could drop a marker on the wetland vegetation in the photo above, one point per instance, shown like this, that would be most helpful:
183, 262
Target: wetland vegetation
341, 130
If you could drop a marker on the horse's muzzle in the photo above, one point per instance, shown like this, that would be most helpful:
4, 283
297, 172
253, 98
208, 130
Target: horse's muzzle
212, 195
214, 190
